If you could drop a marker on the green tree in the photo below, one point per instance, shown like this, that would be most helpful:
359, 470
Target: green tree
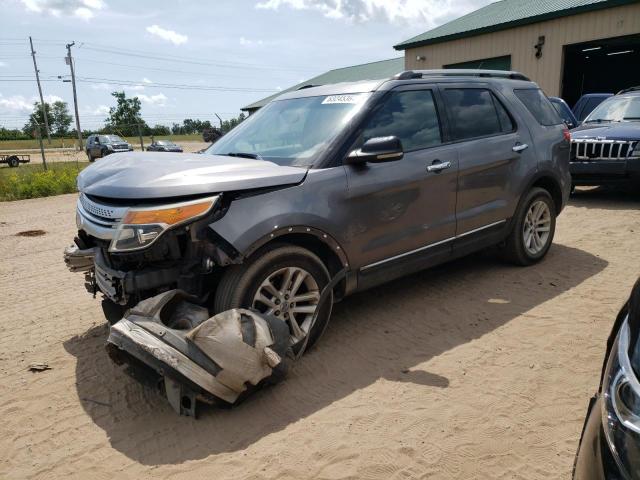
232, 122
57, 114
60, 119
125, 117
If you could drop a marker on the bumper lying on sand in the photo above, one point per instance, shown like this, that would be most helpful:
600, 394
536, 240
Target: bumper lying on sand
193, 357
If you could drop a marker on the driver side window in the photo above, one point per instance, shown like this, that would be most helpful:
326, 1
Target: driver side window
409, 115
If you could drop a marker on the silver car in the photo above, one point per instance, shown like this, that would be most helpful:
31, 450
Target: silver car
378, 178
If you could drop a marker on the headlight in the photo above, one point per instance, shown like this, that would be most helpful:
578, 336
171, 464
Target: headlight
140, 227
109, 147
636, 150
621, 406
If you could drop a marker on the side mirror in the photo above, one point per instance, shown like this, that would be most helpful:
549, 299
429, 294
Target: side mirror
377, 150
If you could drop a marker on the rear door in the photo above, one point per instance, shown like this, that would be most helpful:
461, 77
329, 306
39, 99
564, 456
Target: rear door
492, 148
403, 212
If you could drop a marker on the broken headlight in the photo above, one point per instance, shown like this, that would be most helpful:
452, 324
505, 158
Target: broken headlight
140, 227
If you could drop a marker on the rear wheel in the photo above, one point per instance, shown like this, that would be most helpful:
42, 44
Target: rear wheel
13, 161
280, 280
533, 229
91, 159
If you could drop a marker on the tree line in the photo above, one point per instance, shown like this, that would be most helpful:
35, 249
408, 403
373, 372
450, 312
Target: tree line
124, 118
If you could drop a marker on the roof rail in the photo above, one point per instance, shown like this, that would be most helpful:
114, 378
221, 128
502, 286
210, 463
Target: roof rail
411, 74
630, 89
308, 86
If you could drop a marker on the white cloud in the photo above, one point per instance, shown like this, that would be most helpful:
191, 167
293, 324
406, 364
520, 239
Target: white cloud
101, 110
159, 100
52, 98
429, 13
146, 80
250, 43
168, 35
3, 64
16, 103
101, 86
84, 9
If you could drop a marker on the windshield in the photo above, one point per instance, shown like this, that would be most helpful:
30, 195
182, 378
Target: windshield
164, 142
621, 108
110, 139
291, 132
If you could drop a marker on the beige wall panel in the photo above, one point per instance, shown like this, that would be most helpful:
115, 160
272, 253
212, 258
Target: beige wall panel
518, 42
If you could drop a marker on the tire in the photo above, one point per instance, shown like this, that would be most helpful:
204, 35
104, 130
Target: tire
91, 159
13, 161
240, 284
517, 250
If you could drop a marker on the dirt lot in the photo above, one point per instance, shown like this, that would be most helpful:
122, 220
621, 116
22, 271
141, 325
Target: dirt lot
472, 370
71, 155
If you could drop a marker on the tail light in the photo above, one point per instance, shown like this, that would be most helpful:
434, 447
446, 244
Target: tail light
567, 134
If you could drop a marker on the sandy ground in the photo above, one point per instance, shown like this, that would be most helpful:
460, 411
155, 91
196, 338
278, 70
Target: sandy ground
472, 370
71, 155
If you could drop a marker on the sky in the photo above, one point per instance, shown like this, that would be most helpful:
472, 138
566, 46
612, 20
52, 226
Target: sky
190, 59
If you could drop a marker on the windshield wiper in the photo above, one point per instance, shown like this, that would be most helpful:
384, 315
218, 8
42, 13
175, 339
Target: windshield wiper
600, 120
253, 156
631, 118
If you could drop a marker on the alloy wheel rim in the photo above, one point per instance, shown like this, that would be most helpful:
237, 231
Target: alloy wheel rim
292, 295
537, 227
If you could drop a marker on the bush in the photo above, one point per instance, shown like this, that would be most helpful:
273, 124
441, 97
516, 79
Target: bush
32, 181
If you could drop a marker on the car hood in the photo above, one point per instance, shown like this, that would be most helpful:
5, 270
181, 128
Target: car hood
137, 175
610, 131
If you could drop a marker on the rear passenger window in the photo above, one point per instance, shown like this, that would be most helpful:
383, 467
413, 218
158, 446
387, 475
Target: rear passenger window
409, 115
539, 106
475, 112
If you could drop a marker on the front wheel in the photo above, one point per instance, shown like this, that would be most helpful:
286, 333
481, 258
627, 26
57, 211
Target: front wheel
280, 280
533, 229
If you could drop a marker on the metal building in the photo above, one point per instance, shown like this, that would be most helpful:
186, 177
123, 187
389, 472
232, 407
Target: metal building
569, 47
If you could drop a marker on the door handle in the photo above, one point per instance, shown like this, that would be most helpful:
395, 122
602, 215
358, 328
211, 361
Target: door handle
520, 147
437, 166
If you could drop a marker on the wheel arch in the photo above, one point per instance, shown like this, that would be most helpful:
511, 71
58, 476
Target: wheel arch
316, 241
551, 184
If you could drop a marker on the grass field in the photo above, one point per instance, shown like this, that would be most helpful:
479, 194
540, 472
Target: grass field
31, 181
70, 142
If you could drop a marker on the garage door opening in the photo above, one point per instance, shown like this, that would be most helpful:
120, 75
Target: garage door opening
600, 66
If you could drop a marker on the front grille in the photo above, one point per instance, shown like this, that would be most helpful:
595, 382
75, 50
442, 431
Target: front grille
588, 149
104, 214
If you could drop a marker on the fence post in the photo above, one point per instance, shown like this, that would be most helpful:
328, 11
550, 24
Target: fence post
140, 135
39, 132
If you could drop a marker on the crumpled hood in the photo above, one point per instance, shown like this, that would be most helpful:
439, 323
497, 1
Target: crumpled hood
610, 131
138, 175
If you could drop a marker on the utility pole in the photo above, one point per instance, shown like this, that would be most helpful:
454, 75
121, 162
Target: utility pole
219, 119
44, 110
69, 61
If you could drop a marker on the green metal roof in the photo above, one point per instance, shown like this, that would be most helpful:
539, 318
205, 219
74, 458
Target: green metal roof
366, 71
506, 14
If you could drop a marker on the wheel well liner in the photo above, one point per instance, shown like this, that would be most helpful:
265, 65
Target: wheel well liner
552, 186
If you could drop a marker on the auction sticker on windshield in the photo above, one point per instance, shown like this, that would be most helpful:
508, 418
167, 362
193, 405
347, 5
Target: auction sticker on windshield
332, 99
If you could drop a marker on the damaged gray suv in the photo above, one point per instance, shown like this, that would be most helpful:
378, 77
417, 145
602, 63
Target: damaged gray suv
377, 178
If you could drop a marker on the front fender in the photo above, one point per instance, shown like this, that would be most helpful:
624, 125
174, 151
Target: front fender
310, 208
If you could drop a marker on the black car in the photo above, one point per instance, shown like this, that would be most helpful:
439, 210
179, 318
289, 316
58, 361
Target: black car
610, 443
605, 149
164, 146
99, 146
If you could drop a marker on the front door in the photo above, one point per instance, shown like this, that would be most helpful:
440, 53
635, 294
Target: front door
403, 212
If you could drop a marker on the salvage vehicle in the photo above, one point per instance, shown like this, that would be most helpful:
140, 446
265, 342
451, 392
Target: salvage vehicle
609, 446
99, 146
606, 147
164, 146
587, 103
381, 178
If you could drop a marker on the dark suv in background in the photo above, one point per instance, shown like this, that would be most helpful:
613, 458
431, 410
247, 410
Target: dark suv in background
99, 146
606, 147
381, 178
